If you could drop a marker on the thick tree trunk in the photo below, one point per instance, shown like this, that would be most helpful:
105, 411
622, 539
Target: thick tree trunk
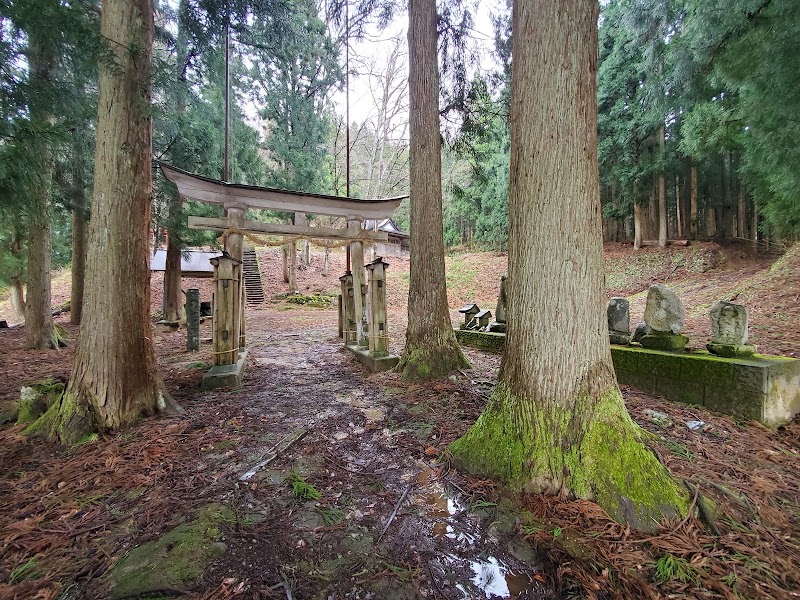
556, 422
17, 300
637, 225
114, 380
741, 215
662, 193
693, 201
39, 333
325, 262
678, 211
431, 348
78, 238
754, 234
17, 277
173, 301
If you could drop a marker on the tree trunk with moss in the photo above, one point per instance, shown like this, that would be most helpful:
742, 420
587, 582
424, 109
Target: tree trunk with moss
114, 380
431, 348
556, 422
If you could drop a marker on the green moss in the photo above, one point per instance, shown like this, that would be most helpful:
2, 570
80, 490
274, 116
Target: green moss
181, 556
67, 420
425, 361
37, 398
541, 451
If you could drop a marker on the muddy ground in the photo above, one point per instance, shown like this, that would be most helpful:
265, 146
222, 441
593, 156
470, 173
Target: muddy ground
325, 481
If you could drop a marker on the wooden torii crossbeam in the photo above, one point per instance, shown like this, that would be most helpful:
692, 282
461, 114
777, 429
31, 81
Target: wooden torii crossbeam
229, 336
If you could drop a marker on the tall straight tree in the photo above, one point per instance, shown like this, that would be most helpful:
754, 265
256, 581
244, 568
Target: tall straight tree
114, 380
39, 332
431, 349
556, 421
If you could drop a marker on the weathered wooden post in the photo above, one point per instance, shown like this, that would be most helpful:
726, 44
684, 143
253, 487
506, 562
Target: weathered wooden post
378, 328
192, 319
359, 287
226, 297
348, 308
234, 246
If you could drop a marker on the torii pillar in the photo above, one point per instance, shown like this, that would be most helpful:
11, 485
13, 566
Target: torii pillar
229, 349
359, 286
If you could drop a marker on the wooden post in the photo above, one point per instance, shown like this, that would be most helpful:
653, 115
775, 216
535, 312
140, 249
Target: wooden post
357, 268
234, 246
192, 319
226, 293
378, 327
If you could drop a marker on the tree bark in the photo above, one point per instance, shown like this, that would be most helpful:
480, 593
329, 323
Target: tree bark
754, 234
741, 215
17, 278
431, 348
693, 201
662, 192
172, 270
39, 333
678, 212
637, 225
114, 379
556, 421
78, 237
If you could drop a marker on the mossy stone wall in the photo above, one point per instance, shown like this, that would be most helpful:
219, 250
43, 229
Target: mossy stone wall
483, 340
763, 388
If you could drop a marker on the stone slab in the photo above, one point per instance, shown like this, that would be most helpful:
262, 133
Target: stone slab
483, 340
763, 388
373, 363
225, 376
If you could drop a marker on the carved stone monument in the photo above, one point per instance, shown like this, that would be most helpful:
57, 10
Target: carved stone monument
664, 315
619, 321
729, 330
499, 323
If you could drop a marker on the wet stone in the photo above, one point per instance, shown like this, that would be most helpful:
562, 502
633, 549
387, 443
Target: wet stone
729, 330
664, 312
619, 320
641, 330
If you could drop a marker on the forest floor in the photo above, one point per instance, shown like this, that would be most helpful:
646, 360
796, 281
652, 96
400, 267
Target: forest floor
317, 479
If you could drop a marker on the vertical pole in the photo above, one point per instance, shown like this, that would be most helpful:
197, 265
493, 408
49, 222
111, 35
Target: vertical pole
193, 319
357, 258
226, 172
347, 111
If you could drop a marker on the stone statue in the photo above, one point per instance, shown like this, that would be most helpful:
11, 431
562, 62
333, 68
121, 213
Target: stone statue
729, 330
499, 323
619, 321
664, 315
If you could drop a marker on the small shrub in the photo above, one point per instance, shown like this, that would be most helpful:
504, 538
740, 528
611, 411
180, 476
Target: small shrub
674, 568
303, 490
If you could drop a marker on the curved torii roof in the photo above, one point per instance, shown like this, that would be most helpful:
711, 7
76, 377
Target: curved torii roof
205, 189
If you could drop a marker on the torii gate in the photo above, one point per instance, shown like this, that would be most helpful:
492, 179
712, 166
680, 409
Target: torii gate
229, 325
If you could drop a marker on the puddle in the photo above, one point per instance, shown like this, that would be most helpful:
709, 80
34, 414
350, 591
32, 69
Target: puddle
497, 581
490, 576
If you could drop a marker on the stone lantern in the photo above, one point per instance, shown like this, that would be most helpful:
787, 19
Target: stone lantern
376, 313
348, 308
